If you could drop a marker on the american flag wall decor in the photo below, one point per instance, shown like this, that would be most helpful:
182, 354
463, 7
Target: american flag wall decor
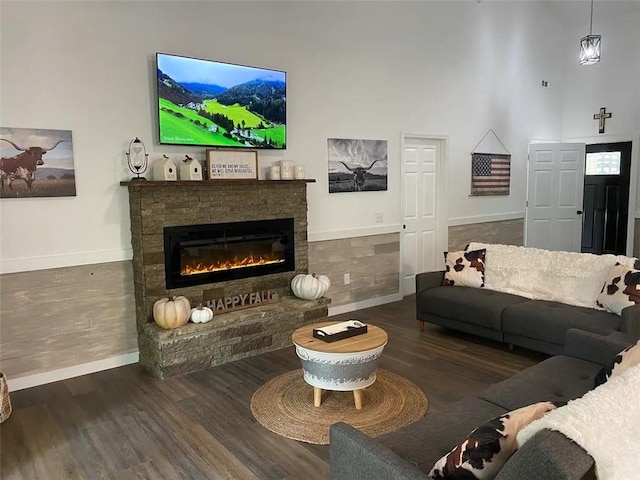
490, 174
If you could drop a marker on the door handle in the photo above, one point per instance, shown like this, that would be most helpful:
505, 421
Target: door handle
404, 227
579, 212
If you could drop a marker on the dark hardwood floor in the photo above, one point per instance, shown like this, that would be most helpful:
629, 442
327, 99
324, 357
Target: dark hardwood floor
125, 424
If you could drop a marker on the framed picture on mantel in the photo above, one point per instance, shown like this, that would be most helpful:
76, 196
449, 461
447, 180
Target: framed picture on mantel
232, 165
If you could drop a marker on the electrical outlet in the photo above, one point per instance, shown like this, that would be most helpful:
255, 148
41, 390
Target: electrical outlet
379, 217
347, 278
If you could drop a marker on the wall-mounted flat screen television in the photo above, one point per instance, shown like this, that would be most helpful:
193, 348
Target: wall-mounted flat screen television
215, 104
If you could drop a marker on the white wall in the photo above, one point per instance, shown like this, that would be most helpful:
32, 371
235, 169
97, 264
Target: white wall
354, 70
613, 83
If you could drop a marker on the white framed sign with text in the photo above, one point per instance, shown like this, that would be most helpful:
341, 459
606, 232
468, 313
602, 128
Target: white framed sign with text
232, 165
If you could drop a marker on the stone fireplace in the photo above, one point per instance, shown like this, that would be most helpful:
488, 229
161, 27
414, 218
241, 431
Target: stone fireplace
208, 240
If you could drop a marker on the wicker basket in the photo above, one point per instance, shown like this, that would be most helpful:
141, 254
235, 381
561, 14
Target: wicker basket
5, 406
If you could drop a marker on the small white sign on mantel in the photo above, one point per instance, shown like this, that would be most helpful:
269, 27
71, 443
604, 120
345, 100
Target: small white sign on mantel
232, 165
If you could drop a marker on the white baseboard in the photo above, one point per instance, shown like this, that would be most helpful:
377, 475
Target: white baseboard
371, 302
29, 381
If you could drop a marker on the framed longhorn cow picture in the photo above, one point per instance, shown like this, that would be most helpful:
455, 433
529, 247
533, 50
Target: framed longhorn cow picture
357, 165
36, 163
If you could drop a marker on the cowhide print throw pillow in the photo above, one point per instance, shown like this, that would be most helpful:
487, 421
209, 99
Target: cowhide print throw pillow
622, 289
629, 357
464, 269
482, 454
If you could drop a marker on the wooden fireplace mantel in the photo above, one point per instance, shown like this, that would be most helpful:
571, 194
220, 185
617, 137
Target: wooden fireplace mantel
210, 183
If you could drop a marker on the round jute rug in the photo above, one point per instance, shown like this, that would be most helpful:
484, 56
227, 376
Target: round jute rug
284, 405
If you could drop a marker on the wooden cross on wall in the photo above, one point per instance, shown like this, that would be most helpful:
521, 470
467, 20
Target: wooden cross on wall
601, 117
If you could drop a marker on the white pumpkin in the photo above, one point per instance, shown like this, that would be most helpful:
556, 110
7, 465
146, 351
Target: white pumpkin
310, 287
171, 312
201, 314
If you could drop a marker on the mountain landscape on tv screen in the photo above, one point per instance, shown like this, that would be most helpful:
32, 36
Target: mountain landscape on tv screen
251, 114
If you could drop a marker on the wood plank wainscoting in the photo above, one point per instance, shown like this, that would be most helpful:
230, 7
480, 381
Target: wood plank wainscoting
505, 232
56, 322
373, 262
60, 318
229, 336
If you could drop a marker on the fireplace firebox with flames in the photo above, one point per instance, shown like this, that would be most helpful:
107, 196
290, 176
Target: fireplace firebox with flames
199, 254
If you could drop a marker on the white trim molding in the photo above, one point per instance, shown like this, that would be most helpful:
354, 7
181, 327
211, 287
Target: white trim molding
494, 217
65, 260
29, 381
371, 302
354, 232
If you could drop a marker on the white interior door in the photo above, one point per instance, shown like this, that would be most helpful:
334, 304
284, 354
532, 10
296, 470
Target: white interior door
424, 235
554, 196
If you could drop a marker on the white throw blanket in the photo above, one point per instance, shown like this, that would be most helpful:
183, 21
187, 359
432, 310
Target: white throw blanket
605, 422
568, 277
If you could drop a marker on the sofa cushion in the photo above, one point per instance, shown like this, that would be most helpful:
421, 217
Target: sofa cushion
549, 321
620, 290
464, 269
557, 379
424, 442
629, 357
484, 451
471, 305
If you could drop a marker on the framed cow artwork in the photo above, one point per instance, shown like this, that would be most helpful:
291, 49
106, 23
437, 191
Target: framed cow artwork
357, 165
36, 163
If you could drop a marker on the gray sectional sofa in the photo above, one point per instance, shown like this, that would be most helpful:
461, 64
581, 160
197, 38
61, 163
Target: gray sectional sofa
535, 324
410, 452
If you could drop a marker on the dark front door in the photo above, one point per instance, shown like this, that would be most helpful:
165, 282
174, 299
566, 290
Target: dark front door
606, 198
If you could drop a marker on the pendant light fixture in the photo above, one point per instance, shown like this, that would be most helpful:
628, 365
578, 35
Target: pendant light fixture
590, 45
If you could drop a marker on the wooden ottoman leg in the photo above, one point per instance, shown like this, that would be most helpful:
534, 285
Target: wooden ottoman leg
421, 325
317, 396
357, 397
